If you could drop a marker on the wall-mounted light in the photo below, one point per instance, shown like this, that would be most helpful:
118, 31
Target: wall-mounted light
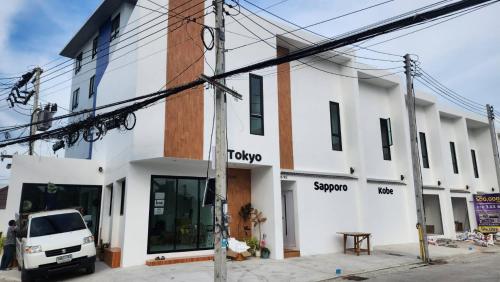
492, 189
402, 177
439, 182
466, 187
100, 169
8, 166
351, 169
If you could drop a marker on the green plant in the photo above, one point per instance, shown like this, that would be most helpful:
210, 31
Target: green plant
253, 243
257, 218
244, 213
2, 241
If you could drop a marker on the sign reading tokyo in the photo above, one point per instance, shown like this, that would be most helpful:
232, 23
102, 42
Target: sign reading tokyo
328, 187
244, 156
487, 207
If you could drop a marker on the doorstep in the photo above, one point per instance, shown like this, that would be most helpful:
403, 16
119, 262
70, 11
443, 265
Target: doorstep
153, 262
289, 253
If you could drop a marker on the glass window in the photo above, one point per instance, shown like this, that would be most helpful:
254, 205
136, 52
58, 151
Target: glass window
474, 163
94, 47
335, 126
54, 224
177, 220
454, 157
86, 199
386, 132
423, 149
91, 86
74, 99
115, 27
78, 62
256, 105
122, 198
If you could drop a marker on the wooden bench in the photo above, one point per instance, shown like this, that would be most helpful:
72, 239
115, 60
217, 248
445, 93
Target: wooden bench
358, 237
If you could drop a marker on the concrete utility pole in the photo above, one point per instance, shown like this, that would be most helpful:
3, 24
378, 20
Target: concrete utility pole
494, 143
38, 72
220, 242
417, 171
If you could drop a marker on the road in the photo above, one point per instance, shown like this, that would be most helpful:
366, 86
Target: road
477, 267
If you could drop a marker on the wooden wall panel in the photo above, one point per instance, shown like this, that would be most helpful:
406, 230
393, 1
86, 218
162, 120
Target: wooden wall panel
285, 113
184, 112
238, 195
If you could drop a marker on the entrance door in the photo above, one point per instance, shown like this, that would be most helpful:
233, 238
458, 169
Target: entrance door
288, 219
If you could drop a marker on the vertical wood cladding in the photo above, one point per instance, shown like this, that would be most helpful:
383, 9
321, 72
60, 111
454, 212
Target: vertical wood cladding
184, 112
285, 112
238, 195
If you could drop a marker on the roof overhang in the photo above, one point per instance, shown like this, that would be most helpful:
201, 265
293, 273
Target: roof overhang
90, 27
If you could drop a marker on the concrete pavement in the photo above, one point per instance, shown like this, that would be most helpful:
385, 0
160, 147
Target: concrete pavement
310, 268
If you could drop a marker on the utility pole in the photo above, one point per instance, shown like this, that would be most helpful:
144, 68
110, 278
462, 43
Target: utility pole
38, 73
220, 242
417, 171
494, 143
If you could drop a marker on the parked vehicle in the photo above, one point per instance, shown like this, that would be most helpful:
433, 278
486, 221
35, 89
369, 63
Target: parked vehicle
54, 241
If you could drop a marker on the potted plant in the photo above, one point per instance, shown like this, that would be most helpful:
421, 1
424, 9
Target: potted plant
257, 218
253, 243
264, 251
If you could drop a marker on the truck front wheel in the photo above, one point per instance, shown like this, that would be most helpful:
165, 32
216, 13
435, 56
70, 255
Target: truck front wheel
90, 268
25, 277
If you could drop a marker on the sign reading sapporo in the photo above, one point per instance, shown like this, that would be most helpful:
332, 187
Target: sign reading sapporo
487, 209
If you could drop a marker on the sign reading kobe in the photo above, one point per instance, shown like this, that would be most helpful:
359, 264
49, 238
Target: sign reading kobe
329, 187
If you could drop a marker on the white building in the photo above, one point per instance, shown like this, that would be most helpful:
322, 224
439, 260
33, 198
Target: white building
317, 153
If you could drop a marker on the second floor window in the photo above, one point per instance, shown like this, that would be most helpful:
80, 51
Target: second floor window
256, 105
94, 47
454, 157
335, 126
423, 150
78, 62
74, 99
115, 27
474, 163
386, 132
92, 86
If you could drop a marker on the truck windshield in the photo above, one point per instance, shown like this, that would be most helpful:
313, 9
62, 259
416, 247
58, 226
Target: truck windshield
57, 223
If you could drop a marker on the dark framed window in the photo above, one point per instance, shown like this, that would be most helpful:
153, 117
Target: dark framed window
386, 133
177, 219
122, 198
94, 47
74, 98
256, 105
423, 150
454, 157
474, 163
115, 27
92, 86
335, 126
37, 197
78, 62
110, 199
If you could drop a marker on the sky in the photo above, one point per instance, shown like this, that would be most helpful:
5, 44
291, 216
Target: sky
462, 53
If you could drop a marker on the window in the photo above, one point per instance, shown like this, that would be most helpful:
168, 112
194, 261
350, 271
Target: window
115, 27
454, 157
91, 86
94, 47
256, 105
122, 200
423, 149
55, 224
474, 163
177, 219
335, 126
386, 132
78, 62
43, 197
110, 199
74, 99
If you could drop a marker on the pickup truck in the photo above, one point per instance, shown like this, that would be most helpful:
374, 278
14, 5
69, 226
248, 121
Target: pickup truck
54, 241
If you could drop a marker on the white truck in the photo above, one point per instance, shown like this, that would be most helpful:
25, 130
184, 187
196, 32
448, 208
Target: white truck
54, 241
